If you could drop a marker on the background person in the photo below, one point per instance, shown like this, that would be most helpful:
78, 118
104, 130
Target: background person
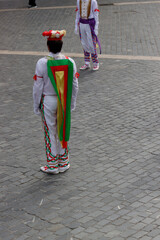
87, 22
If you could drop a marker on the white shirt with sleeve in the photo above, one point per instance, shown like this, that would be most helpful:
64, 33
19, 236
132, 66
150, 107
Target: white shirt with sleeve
93, 13
42, 84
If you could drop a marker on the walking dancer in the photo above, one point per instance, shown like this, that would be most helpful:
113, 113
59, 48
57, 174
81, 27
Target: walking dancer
87, 21
54, 93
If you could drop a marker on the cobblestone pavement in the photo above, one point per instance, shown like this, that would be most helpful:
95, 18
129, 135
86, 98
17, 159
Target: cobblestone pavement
112, 190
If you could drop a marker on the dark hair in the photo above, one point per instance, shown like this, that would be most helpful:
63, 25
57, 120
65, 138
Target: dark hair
55, 46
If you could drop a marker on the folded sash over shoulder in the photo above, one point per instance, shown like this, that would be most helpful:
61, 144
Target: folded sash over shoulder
60, 73
91, 22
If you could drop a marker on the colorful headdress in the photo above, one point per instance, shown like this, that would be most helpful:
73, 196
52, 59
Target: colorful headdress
54, 35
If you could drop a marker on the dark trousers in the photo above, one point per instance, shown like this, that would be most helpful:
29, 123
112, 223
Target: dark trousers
32, 2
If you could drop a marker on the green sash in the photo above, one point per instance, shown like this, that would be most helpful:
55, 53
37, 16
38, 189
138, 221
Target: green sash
60, 73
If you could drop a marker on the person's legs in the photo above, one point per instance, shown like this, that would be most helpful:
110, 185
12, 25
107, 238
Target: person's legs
63, 157
91, 42
83, 38
32, 3
49, 117
86, 60
94, 55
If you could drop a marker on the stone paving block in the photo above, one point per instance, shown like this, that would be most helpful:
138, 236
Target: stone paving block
104, 238
147, 220
140, 234
107, 228
150, 227
50, 237
77, 230
131, 238
23, 237
55, 227
91, 230
81, 235
113, 233
128, 234
117, 238
145, 238
90, 223
154, 233
62, 231
65, 237
84, 219
156, 238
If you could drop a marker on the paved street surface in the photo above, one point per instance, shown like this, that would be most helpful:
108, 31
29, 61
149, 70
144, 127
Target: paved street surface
112, 190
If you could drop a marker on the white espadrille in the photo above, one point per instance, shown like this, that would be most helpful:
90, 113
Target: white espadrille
85, 66
50, 169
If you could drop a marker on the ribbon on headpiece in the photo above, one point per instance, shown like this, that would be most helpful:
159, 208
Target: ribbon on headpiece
54, 35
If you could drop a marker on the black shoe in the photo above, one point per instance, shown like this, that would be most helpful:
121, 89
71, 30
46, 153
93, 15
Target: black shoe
31, 6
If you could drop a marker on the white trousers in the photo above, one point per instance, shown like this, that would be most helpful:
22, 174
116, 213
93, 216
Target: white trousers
86, 38
49, 119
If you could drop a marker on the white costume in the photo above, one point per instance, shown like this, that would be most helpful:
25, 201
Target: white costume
87, 10
44, 93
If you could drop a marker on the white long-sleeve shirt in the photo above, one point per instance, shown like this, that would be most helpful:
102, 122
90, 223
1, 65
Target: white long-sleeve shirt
43, 85
93, 13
